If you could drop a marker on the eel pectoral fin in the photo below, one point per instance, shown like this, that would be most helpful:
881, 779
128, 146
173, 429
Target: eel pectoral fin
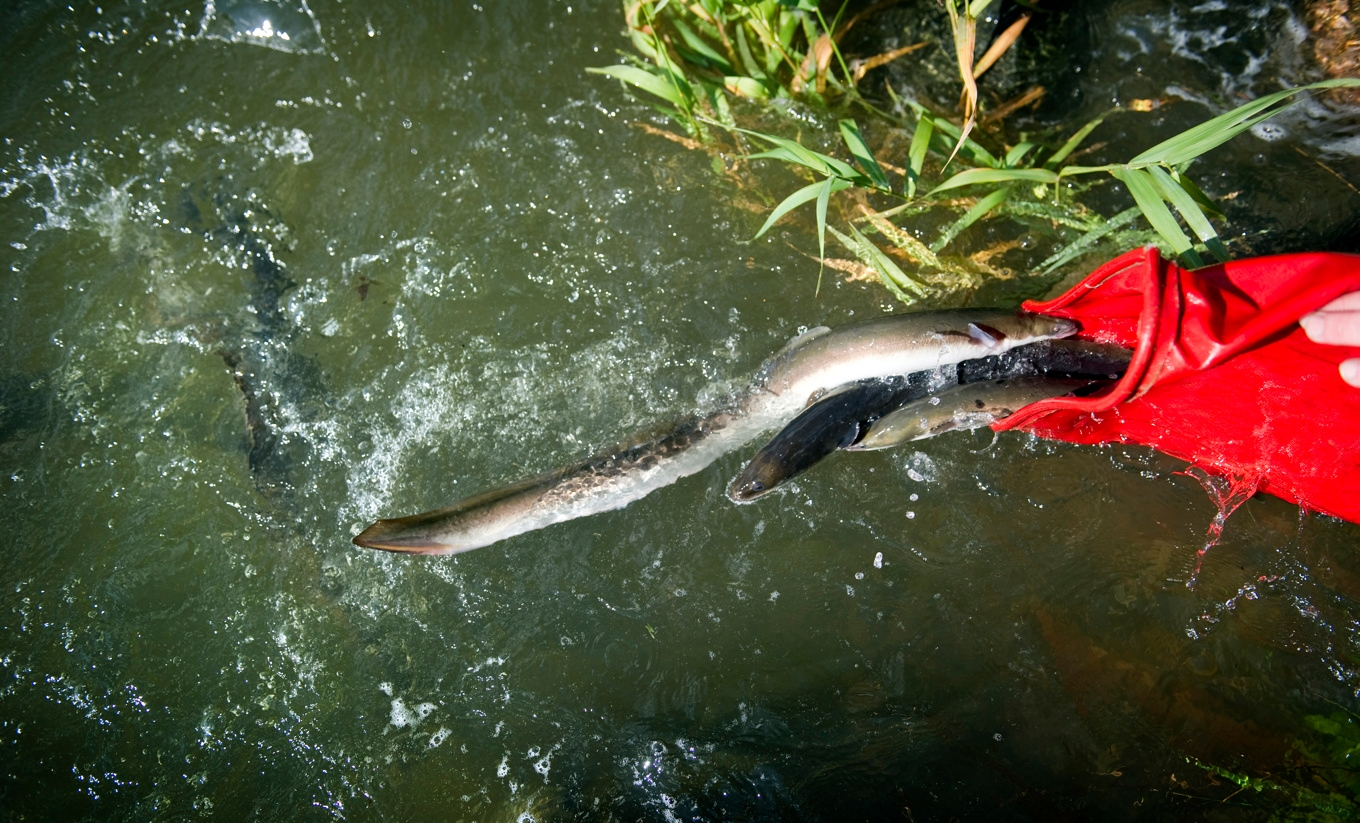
986, 335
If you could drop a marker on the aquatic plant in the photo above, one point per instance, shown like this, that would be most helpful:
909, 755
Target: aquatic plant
1322, 786
698, 55
756, 50
1156, 178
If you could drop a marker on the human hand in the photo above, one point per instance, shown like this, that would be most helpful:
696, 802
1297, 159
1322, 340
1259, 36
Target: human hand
1338, 324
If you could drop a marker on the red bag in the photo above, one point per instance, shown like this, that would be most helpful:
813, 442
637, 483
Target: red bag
1222, 375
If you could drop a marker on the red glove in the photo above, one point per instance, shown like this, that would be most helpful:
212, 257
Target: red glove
1222, 375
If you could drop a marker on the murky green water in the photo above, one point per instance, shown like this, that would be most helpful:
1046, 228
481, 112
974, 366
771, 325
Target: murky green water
444, 257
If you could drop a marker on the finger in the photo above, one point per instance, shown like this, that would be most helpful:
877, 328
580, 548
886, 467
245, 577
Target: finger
1350, 371
1346, 302
1338, 328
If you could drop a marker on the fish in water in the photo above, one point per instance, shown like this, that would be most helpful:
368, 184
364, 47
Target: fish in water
841, 420
258, 355
1051, 358
811, 365
966, 406
836, 421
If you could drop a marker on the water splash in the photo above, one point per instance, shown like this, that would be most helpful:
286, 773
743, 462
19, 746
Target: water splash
274, 24
1227, 493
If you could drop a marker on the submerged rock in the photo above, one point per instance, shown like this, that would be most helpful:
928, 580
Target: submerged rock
1336, 45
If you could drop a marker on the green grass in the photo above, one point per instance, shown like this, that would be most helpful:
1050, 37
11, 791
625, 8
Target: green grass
1029, 174
1322, 785
694, 58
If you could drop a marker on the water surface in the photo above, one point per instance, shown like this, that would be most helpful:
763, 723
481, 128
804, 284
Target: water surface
443, 257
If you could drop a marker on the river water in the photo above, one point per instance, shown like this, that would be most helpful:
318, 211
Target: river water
439, 256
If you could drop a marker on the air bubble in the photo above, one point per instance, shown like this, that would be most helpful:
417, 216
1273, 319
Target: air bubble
1270, 132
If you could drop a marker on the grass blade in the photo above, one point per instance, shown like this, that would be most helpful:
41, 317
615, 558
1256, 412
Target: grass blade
1213, 133
1074, 141
1088, 241
916, 155
701, 53
907, 242
717, 101
950, 132
1208, 206
798, 154
777, 154
974, 176
976, 213
823, 197
854, 141
1189, 209
748, 60
671, 90
896, 281
1029, 210
1144, 190
800, 197
1017, 154
746, 87
965, 40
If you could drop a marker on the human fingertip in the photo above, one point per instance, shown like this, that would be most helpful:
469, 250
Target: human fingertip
1350, 371
1312, 324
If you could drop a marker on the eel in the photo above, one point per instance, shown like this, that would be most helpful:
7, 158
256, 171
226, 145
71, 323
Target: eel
811, 365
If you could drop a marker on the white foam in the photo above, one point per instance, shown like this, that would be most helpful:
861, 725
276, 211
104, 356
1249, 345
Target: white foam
292, 143
403, 717
75, 194
544, 763
1270, 132
447, 403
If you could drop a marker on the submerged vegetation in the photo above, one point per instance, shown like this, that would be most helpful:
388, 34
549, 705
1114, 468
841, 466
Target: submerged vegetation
899, 212
1322, 785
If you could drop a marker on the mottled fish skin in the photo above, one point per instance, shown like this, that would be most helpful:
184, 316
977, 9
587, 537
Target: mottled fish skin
841, 420
812, 364
966, 406
609, 480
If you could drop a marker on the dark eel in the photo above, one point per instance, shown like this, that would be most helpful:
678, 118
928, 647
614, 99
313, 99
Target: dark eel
842, 419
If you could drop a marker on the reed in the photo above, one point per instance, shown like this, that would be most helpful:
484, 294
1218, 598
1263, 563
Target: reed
1156, 178
694, 57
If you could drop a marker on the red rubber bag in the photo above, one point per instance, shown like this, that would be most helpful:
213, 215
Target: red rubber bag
1222, 375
